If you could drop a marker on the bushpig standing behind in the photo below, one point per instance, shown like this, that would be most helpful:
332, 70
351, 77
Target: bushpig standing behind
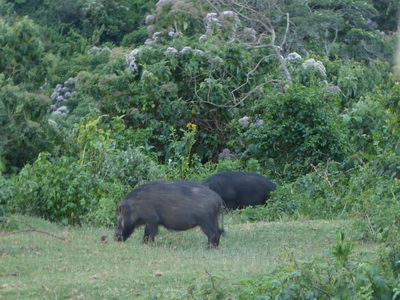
240, 189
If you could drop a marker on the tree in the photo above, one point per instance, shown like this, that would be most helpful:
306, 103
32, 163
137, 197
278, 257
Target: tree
22, 59
24, 129
388, 14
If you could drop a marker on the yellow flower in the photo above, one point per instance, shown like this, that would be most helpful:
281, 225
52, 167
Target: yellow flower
83, 126
191, 125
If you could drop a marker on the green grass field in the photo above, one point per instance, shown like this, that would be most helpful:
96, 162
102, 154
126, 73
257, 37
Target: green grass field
37, 266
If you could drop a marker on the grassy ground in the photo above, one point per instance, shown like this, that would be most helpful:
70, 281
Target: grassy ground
178, 266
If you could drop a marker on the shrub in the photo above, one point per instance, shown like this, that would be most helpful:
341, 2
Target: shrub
61, 190
7, 191
24, 128
129, 167
298, 128
85, 186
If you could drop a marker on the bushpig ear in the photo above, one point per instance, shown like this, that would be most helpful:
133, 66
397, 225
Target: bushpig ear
119, 209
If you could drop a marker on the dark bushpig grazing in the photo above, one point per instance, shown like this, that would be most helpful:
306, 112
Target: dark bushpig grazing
240, 189
176, 205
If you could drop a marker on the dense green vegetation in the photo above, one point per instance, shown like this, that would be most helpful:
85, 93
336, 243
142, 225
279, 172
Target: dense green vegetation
97, 97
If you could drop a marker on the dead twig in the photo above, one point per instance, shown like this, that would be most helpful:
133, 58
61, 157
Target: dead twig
212, 283
10, 274
324, 176
370, 226
31, 229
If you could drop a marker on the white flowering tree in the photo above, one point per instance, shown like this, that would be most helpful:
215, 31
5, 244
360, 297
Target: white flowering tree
262, 33
205, 64
214, 64
223, 30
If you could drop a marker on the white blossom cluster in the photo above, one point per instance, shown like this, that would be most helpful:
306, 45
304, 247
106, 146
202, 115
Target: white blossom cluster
185, 50
170, 51
163, 5
245, 122
132, 63
230, 20
331, 88
249, 35
157, 36
97, 5
96, 50
216, 60
227, 22
171, 8
259, 122
212, 23
293, 56
316, 66
198, 51
150, 19
61, 95
226, 153
131, 60
61, 111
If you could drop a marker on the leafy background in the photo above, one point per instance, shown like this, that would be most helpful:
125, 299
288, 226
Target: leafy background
98, 97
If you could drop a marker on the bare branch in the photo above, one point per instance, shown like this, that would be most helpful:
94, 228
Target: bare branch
286, 30
248, 75
264, 21
213, 283
326, 46
282, 63
246, 12
324, 176
241, 99
31, 229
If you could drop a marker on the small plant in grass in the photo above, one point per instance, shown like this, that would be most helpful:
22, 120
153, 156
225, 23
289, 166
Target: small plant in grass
342, 248
209, 290
179, 156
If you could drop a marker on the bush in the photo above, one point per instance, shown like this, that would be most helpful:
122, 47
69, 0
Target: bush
24, 128
23, 54
129, 167
85, 186
298, 128
61, 190
7, 188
